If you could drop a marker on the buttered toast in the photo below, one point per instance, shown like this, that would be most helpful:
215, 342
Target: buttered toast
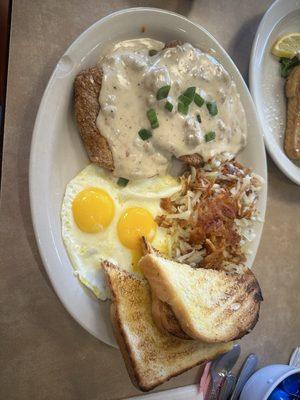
151, 357
210, 305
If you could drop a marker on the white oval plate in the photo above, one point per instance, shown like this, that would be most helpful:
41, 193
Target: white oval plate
266, 84
57, 153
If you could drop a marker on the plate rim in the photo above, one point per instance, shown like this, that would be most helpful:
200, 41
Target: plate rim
35, 138
281, 160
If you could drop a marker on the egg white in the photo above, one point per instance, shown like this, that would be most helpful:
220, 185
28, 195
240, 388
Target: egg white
87, 250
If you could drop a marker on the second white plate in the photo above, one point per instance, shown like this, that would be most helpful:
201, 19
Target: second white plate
266, 84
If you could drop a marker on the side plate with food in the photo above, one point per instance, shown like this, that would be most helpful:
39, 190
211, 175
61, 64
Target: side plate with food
268, 83
58, 155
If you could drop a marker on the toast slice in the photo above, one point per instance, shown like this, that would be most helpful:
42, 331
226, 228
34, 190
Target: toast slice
292, 131
210, 305
162, 313
151, 357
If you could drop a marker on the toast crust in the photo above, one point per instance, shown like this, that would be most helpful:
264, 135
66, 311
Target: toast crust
292, 131
124, 348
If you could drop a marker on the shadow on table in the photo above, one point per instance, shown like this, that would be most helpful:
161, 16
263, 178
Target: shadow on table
241, 44
182, 7
23, 152
282, 187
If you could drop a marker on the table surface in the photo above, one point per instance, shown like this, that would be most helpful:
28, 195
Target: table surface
44, 353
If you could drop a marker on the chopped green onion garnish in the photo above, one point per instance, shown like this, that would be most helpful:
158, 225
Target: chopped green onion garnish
122, 182
212, 108
151, 114
185, 100
198, 118
163, 92
187, 96
145, 134
190, 92
183, 108
209, 136
169, 106
198, 100
152, 52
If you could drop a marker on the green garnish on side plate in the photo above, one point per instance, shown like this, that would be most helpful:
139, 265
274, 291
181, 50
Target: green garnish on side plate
287, 64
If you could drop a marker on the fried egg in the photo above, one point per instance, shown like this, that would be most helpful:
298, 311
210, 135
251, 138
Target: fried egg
103, 221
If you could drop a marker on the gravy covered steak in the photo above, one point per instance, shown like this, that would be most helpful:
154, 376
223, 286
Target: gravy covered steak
146, 103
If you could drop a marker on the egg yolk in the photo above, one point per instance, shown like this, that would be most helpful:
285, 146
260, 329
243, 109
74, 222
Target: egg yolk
93, 210
134, 223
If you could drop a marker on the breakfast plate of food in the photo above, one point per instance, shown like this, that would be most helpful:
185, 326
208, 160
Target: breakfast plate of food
275, 84
148, 191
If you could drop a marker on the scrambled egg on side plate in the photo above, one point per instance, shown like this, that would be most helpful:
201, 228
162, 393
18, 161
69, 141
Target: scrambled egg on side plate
103, 221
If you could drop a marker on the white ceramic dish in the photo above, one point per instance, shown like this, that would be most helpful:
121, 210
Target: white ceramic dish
265, 380
266, 85
57, 153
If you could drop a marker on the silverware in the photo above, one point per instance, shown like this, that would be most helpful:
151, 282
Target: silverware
295, 358
247, 370
227, 387
220, 369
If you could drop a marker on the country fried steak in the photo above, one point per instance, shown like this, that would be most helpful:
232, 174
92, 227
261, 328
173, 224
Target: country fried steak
87, 87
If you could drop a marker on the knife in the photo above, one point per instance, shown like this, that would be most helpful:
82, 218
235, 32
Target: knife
227, 387
247, 370
220, 369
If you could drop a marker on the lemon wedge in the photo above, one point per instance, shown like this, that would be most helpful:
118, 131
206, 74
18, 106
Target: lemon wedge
287, 46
